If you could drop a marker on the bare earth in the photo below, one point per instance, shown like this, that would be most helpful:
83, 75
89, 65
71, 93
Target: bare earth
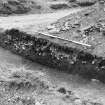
33, 22
26, 83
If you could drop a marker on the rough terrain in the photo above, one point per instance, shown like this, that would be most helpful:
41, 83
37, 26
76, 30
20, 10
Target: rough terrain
23, 82
13, 7
86, 27
26, 83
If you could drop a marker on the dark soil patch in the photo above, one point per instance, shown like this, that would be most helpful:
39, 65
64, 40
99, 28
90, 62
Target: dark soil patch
85, 4
59, 6
62, 90
64, 58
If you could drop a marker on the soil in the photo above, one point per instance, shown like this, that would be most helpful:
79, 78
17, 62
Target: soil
70, 59
86, 26
23, 82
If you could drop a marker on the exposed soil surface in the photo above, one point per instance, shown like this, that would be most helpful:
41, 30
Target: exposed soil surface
85, 27
24, 82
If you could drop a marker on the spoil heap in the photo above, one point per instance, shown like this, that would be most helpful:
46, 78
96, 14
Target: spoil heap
50, 53
8, 7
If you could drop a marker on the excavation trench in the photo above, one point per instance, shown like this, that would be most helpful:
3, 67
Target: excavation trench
51, 54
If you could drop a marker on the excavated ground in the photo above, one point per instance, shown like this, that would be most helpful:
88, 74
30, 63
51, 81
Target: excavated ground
13, 7
28, 83
29, 86
43, 51
42, 85
86, 26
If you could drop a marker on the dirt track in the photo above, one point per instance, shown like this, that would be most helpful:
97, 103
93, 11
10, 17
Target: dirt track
32, 22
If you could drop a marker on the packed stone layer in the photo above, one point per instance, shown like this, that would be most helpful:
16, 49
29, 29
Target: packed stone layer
54, 55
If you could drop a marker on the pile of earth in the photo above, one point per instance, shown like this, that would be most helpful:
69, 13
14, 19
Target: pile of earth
86, 26
22, 86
